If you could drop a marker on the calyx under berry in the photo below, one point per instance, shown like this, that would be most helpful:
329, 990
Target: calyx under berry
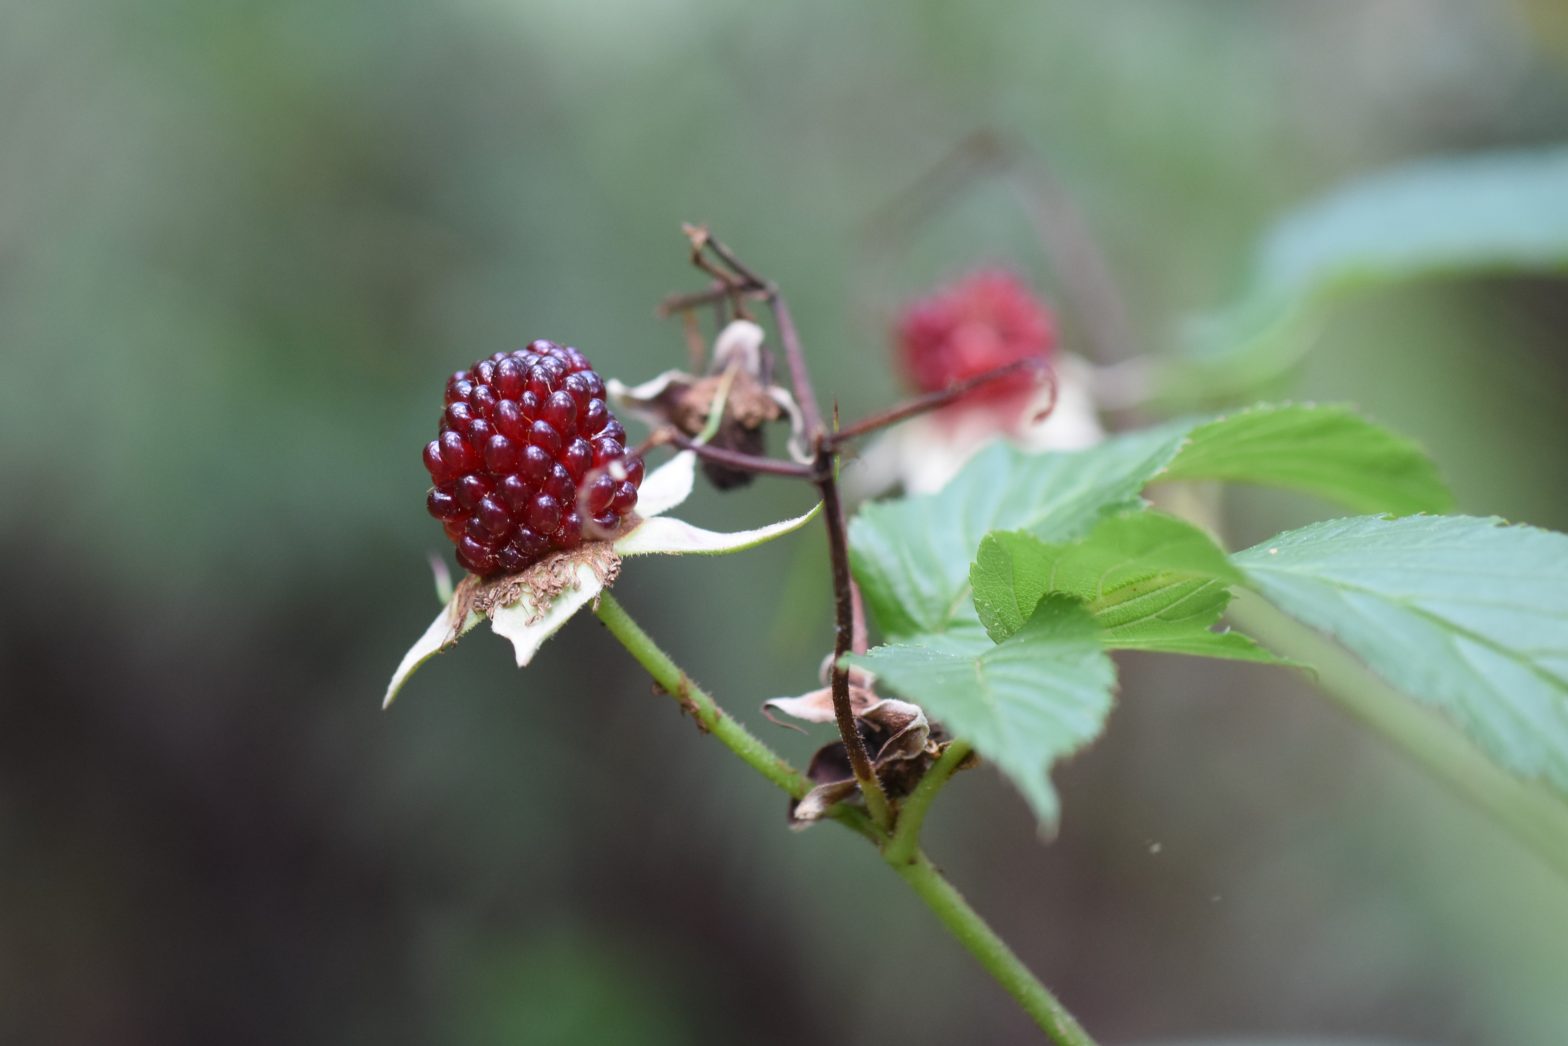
529, 460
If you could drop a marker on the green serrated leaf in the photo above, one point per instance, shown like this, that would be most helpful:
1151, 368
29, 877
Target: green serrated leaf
1152, 582
1041, 694
1469, 615
911, 557
1327, 450
1497, 213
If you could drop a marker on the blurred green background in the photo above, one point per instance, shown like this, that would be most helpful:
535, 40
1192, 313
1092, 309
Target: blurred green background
241, 244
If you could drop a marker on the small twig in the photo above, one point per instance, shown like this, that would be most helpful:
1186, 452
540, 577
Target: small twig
736, 460
860, 640
697, 299
844, 641
742, 279
936, 400
799, 375
824, 472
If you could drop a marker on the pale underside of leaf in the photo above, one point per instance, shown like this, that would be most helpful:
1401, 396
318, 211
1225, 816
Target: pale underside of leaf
1463, 613
1327, 450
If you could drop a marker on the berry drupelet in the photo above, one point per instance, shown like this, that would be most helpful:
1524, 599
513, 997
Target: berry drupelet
529, 460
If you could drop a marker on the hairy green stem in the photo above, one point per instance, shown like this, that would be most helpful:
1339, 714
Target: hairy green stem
905, 844
913, 867
992, 952
1532, 814
711, 718
697, 701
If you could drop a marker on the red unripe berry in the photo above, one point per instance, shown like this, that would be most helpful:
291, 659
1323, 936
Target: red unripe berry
983, 321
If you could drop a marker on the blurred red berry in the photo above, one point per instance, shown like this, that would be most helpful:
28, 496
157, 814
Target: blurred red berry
981, 322
523, 459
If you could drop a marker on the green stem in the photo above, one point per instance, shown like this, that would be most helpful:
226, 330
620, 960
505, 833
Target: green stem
905, 844
992, 952
913, 866
1530, 812
697, 701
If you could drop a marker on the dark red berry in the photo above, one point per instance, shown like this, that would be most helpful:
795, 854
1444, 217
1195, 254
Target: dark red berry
509, 421
511, 378
482, 535
479, 433
634, 471
544, 436
535, 466
625, 498
434, 465
544, 514
528, 460
475, 556
560, 410
606, 450
597, 495
510, 559
578, 458
595, 415
471, 488
570, 534
493, 515
442, 504
516, 492
459, 388
484, 400
558, 484
501, 455
455, 455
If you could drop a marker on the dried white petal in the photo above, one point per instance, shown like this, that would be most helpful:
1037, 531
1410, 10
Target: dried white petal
440, 635
817, 802
797, 424
668, 485
639, 399
740, 341
817, 706
672, 537
528, 626
908, 725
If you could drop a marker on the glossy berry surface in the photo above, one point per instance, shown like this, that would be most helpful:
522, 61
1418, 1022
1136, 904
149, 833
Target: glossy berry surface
529, 460
986, 320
